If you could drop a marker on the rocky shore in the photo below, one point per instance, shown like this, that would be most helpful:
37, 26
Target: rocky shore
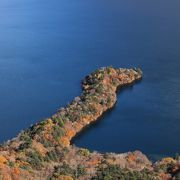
44, 150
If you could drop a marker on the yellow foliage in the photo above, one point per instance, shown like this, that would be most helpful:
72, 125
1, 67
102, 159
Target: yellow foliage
49, 125
99, 75
168, 160
22, 163
86, 86
64, 177
50, 121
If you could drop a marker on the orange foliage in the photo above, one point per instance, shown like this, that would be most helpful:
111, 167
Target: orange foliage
86, 119
131, 157
7, 177
70, 133
3, 160
49, 138
78, 126
39, 147
165, 176
65, 141
93, 162
121, 76
63, 177
16, 171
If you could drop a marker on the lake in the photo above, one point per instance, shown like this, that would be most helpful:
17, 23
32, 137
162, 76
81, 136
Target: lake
47, 47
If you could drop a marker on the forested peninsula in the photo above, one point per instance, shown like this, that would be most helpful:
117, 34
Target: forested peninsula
44, 150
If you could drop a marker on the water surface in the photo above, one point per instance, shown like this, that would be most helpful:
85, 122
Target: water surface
47, 47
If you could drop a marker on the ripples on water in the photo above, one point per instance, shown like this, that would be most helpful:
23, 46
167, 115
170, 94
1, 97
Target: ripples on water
47, 47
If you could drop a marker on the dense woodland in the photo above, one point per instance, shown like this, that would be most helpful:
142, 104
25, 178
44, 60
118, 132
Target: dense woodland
44, 150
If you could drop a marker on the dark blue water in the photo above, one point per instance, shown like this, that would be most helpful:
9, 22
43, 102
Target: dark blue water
47, 47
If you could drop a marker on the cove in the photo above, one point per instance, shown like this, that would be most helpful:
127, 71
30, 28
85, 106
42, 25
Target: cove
128, 126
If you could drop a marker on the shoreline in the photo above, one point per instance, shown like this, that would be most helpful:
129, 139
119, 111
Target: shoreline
85, 128
46, 150
116, 89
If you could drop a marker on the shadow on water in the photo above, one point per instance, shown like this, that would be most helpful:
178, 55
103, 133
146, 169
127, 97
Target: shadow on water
99, 122
92, 125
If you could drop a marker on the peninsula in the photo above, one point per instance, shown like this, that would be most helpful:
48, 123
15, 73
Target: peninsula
44, 151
